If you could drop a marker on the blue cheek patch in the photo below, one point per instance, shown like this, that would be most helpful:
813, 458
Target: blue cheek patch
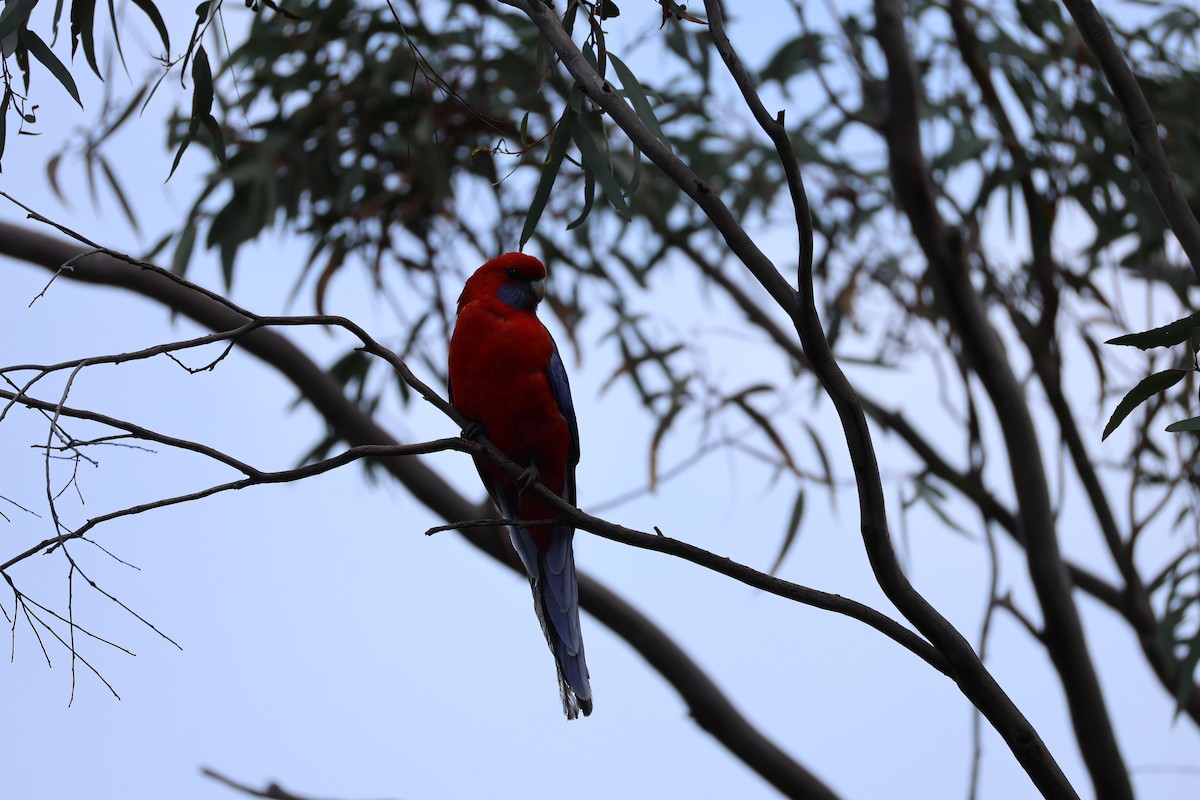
518, 295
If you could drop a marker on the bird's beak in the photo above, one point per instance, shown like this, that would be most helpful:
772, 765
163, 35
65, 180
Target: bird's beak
539, 288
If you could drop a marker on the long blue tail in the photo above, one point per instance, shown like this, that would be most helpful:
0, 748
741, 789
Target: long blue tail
556, 600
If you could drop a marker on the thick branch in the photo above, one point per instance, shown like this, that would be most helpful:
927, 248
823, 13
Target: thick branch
967, 670
971, 675
973, 490
708, 703
1136, 601
962, 304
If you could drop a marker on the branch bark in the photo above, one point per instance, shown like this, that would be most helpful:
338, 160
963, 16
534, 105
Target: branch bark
958, 299
708, 704
968, 671
1148, 150
970, 674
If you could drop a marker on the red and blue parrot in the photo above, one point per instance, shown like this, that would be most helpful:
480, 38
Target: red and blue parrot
507, 377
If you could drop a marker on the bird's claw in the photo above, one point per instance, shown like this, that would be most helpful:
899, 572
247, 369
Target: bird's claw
473, 431
526, 479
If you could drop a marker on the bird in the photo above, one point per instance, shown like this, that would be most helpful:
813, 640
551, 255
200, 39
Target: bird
507, 379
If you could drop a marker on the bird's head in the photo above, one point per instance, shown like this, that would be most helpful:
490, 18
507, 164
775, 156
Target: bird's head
516, 279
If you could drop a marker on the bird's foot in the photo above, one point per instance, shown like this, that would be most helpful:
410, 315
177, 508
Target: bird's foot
526, 479
473, 431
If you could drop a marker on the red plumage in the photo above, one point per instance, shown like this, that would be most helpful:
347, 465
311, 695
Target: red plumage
507, 376
498, 361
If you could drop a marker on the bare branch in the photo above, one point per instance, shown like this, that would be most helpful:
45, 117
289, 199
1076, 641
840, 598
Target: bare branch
706, 701
968, 671
943, 248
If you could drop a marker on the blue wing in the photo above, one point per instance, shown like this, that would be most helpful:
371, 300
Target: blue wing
552, 574
555, 589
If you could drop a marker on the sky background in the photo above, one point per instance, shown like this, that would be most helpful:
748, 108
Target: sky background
329, 645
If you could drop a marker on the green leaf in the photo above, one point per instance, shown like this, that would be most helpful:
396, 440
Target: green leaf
112, 18
202, 89
52, 177
83, 23
39, 50
558, 149
1190, 424
116, 188
637, 98
758, 418
589, 197
660, 433
124, 115
202, 100
183, 145
794, 57
151, 11
183, 250
58, 7
593, 161
1150, 386
792, 529
15, 16
1178, 331
218, 140
4, 117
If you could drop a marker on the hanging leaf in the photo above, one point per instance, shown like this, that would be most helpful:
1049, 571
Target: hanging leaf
1166, 336
793, 528
151, 11
660, 432
202, 89
4, 118
1190, 424
183, 250
589, 197
112, 18
637, 98
15, 16
83, 23
115, 185
558, 149
594, 162
1150, 386
758, 418
52, 177
933, 497
38, 49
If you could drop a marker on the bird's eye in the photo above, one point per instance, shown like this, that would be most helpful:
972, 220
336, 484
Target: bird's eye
512, 273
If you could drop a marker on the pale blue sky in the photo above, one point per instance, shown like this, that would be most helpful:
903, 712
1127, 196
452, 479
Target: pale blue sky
329, 645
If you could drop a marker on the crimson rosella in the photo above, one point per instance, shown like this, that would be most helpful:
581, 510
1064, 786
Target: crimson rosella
507, 377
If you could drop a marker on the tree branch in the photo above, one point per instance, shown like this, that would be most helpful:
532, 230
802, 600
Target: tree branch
1143, 128
892, 421
968, 316
968, 671
1135, 606
640, 539
708, 704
